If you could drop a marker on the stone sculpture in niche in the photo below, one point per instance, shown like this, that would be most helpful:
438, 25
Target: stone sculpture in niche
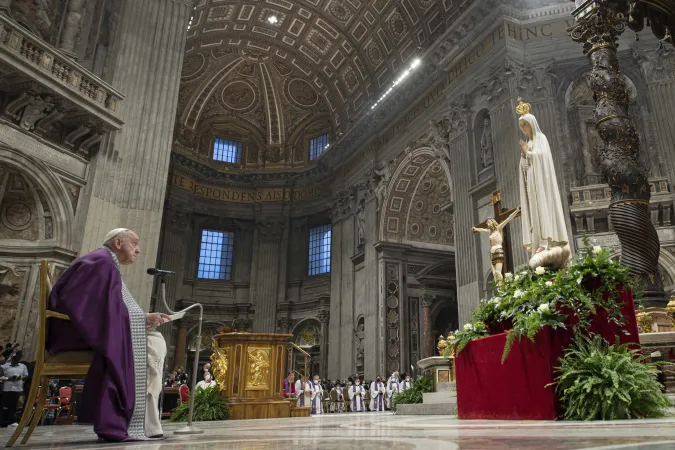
383, 176
361, 221
37, 108
544, 227
486, 146
359, 335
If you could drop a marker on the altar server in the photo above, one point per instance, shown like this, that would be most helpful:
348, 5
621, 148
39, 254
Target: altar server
406, 384
317, 396
393, 388
377, 394
339, 406
356, 394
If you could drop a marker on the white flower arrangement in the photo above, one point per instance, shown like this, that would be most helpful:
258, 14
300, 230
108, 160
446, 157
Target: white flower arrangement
540, 270
549, 283
516, 278
597, 249
508, 276
519, 293
468, 327
544, 308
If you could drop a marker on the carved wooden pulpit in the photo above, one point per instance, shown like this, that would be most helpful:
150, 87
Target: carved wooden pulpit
249, 370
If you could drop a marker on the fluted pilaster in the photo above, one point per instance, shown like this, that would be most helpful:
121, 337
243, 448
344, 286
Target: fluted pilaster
130, 171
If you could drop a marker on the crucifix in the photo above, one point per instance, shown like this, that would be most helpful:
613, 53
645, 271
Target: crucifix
494, 226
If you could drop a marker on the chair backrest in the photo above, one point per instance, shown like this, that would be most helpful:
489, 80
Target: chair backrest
65, 394
184, 393
334, 396
43, 312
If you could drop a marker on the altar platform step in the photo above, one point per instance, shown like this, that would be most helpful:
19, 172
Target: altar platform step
428, 409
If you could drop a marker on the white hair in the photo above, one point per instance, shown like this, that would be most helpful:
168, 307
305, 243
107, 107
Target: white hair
114, 234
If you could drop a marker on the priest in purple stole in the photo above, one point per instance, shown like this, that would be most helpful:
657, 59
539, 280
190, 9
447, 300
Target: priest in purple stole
128, 352
356, 394
377, 392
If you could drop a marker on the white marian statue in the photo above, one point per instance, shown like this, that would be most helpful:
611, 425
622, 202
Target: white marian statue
543, 219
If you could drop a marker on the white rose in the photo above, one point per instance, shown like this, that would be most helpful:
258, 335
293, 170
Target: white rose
508, 276
549, 283
497, 300
517, 277
544, 308
539, 270
597, 249
518, 293
468, 327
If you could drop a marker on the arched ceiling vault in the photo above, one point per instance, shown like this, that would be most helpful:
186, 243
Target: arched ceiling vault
329, 58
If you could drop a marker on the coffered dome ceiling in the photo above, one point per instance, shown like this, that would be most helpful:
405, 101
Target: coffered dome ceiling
318, 68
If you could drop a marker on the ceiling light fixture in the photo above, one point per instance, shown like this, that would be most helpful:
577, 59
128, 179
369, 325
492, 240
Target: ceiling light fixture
272, 19
416, 62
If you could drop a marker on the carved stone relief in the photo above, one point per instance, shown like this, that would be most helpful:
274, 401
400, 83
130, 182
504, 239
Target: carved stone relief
486, 145
393, 317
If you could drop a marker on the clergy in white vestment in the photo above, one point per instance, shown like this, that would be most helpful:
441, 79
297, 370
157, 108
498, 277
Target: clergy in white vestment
339, 407
317, 396
207, 382
303, 389
405, 384
377, 394
356, 394
393, 388
543, 219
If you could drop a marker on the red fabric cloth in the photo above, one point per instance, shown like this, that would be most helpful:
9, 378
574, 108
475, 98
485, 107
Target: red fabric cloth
516, 390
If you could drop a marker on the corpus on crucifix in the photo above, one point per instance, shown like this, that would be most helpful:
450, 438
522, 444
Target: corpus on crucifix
495, 229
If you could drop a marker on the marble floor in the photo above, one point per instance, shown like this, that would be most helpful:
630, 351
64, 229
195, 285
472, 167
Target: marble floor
370, 431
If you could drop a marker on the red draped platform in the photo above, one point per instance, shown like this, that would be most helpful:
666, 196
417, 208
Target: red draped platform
517, 389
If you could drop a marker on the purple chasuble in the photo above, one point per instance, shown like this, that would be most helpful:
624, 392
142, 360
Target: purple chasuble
90, 293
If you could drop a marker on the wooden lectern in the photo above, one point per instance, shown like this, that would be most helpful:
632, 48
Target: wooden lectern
249, 370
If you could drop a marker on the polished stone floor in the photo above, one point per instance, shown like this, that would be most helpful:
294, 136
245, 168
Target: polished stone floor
371, 431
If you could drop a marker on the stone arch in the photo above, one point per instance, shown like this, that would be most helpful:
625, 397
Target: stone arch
301, 333
53, 197
418, 201
209, 329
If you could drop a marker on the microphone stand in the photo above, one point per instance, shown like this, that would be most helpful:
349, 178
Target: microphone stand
189, 428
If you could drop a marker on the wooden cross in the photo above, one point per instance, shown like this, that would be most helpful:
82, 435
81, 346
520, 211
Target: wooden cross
499, 215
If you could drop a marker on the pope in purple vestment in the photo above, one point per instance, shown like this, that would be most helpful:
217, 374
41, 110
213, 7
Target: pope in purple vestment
105, 318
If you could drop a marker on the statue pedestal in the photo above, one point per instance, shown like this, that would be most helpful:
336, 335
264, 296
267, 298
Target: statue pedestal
441, 368
249, 369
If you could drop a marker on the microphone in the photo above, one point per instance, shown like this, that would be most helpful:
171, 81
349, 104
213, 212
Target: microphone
153, 271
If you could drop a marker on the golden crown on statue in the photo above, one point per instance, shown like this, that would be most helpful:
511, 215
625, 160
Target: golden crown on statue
523, 108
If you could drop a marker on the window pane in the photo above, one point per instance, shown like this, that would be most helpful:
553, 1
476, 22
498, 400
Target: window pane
317, 146
319, 250
227, 150
215, 255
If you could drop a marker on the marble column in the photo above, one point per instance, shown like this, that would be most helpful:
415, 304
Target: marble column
324, 319
427, 327
269, 234
128, 175
661, 91
371, 310
465, 252
71, 26
176, 235
181, 345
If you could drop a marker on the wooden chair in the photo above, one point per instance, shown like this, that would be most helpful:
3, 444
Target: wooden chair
345, 398
56, 407
66, 365
184, 393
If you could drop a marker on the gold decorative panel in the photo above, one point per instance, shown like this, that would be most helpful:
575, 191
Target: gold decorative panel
258, 363
219, 363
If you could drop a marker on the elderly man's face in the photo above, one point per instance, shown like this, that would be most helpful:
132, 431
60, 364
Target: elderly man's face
127, 248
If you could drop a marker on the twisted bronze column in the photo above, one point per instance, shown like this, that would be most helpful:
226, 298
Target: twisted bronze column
599, 25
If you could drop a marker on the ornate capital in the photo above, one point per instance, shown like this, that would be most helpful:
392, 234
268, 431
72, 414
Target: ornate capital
324, 316
657, 65
427, 300
495, 85
535, 81
458, 116
344, 205
283, 324
270, 227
